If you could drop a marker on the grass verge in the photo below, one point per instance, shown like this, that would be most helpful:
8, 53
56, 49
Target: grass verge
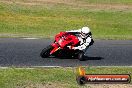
45, 18
51, 77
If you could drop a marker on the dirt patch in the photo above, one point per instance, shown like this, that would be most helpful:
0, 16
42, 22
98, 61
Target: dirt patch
39, 2
108, 6
109, 85
73, 3
43, 85
64, 85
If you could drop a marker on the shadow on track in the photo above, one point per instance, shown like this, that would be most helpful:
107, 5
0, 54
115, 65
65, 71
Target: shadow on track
85, 58
92, 58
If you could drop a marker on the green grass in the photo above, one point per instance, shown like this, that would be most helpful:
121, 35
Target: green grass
20, 20
51, 77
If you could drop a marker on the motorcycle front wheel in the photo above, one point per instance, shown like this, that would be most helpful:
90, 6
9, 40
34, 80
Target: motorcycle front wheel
46, 51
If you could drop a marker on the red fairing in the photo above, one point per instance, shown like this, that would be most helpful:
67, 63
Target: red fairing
58, 36
64, 39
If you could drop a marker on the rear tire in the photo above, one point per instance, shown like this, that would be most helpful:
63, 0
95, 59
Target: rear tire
46, 51
81, 56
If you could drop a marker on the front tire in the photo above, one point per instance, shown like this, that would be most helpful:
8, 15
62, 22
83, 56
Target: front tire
46, 51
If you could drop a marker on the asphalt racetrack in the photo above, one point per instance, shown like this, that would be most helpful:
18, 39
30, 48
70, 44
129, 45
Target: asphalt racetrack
25, 52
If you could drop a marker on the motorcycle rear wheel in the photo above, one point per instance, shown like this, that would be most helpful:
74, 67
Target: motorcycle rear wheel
81, 56
46, 51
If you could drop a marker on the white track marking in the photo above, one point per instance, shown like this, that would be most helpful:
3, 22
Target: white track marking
33, 67
30, 38
46, 66
112, 66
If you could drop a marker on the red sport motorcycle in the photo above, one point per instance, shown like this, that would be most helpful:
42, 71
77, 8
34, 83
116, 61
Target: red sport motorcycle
60, 47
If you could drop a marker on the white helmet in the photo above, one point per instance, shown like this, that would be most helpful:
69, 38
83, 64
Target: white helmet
85, 31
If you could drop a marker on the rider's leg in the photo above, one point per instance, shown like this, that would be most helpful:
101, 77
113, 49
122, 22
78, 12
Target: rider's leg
85, 50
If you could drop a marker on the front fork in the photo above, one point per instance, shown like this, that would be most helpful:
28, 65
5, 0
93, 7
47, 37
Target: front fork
56, 48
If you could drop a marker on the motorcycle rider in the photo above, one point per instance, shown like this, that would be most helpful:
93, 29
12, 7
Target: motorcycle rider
85, 37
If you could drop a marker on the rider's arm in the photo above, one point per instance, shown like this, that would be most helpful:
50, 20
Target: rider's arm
74, 30
84, 45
